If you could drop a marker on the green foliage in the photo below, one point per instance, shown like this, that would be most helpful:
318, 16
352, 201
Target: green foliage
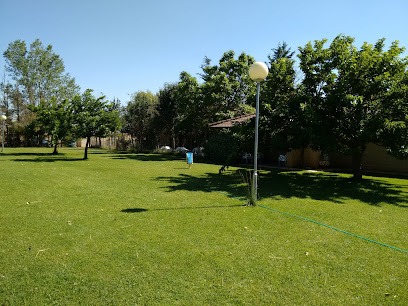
227, 86
282, 51
139, 115
167, 113
55, 119
191, 124
280, 114
93, 117
225, 93
39, 71
355, 97
225, 147
39, 80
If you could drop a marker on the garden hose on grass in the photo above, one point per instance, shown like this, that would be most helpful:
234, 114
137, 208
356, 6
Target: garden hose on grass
331, 227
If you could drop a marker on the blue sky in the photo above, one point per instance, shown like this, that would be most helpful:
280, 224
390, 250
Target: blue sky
119, 47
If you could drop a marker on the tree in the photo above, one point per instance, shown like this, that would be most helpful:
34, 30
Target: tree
355, 97
139, 115
39, 71
191, 126
280, 114
227, 87
167, 116
282, 51
38, 76
54, 119
93, 117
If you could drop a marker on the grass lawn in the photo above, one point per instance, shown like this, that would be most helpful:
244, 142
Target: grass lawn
144, 229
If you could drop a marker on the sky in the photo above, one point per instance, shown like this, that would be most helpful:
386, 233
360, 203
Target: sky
119, 47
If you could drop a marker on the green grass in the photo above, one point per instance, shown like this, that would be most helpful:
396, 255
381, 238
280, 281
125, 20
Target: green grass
144, 229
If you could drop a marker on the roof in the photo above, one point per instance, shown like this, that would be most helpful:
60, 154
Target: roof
227, 123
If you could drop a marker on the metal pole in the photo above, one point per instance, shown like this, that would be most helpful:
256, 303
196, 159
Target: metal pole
2, 138
255, 176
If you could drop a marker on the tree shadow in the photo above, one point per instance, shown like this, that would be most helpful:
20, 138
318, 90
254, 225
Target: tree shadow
139, 210
278, 185
147, 157
47, 159
334, 188
208, 182
33, 154
133, 210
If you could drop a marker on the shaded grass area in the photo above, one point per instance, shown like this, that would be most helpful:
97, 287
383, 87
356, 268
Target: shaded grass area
144, 229
282, 184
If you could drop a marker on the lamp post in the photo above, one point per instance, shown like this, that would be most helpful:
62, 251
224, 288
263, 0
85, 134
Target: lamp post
3, 118
258, 72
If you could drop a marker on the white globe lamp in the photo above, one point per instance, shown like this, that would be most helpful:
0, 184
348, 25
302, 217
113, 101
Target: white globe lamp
258, 71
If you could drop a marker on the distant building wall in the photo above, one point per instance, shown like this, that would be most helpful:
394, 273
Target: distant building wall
375, 158
294, 158
116, 142
310, 158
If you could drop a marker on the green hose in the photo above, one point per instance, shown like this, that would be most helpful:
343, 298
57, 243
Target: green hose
331, 227
336, 229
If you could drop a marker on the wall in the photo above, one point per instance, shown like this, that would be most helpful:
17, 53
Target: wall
310, 158
375, 158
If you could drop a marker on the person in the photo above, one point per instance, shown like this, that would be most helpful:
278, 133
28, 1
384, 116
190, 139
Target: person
189, 158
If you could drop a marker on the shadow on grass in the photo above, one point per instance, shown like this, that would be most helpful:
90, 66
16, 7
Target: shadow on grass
32, 154
47, 159
133, 210
139, 210
41, 157
278, 184
147, 157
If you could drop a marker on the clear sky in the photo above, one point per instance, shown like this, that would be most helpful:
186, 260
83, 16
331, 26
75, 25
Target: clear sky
118, 47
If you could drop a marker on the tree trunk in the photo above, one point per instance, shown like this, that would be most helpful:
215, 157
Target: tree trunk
55, 149
357, 164
88, 140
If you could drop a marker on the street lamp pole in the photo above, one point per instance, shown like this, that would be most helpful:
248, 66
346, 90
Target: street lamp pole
258, 72
3, 118
255, 176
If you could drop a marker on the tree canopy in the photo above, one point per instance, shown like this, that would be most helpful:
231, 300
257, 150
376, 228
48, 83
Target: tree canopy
39, 84
355, 96
344, 98
56, 119
139, 115
39, 71
93, 117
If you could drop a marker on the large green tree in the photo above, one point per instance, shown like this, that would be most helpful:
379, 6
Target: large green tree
227, 87
93, 117
39, 71
356, 96
38, 78
139, 115
280, 115
281, 51
167, 115
55, 119
225, 92
191, 128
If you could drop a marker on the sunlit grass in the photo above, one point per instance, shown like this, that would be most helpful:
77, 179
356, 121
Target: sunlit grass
144, 229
